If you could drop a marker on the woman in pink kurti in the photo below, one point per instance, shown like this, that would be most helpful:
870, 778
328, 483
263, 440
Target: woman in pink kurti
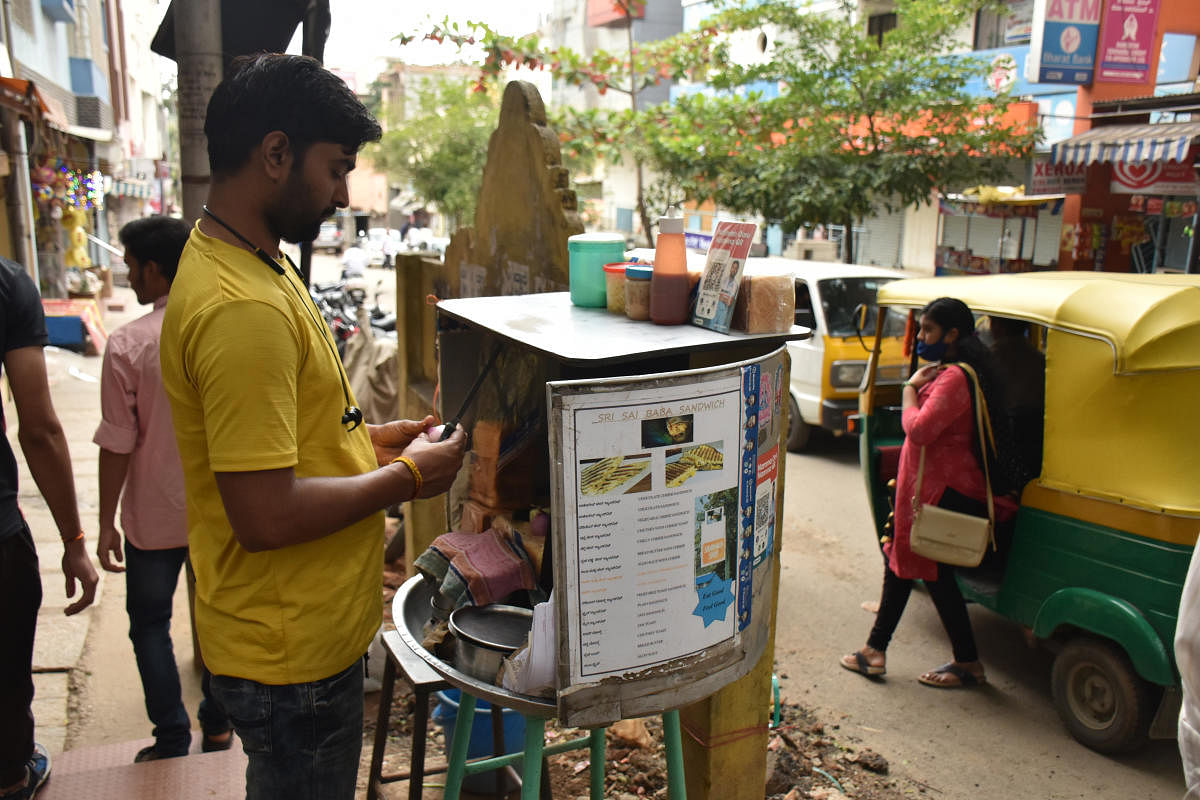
939, 416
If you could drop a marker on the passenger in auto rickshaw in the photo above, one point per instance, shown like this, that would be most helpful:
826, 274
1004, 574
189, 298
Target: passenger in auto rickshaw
939, 419
1020, 370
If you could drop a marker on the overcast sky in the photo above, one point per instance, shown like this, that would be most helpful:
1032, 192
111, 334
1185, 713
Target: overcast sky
360, 37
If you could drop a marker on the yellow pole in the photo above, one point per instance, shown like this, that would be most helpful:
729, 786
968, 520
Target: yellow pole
725, 736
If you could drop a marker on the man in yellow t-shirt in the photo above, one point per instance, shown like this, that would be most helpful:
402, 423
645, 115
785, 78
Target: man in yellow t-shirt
285, 486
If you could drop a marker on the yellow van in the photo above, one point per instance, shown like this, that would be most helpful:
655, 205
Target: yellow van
828, 367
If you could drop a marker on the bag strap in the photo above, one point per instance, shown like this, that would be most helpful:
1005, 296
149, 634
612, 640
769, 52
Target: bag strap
983, 424
916, 498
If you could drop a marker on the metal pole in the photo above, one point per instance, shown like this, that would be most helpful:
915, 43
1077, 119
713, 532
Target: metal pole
198, 53
1193, 252
676, 783
317, 20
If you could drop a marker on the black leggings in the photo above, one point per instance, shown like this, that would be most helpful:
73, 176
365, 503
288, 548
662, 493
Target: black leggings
946, 596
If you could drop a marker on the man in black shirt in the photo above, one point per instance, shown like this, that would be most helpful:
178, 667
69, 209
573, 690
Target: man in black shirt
24, 765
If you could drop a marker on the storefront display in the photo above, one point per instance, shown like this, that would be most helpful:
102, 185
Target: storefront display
1011, 246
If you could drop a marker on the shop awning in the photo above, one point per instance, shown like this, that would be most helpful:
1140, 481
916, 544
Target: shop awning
1132, 144
129, 187
23, 97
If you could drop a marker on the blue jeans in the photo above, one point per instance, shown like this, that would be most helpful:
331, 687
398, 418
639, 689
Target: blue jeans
302, 740
150, 580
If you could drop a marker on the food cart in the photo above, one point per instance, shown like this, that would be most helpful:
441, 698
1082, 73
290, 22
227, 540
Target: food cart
657, 451
1010, 249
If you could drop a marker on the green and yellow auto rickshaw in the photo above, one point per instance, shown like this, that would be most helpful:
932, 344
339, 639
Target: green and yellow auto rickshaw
1095, 561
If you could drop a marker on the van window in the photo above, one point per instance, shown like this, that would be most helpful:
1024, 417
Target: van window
839, 298
805, 315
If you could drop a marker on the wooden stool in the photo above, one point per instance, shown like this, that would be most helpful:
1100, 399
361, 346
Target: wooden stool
424, 681
533, 756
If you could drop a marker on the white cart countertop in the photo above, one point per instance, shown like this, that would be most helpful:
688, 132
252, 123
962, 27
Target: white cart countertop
551, 324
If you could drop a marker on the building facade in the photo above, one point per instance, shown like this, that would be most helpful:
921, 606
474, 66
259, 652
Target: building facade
79, 129
1133, 206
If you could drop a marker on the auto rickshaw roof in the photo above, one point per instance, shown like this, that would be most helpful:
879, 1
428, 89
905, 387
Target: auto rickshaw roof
1152, 322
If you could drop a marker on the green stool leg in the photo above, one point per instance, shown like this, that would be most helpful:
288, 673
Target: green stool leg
598, 745
531, 768
676, 788
458, 748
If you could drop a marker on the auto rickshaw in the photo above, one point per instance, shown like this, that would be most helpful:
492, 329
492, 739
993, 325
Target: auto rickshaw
1094, 563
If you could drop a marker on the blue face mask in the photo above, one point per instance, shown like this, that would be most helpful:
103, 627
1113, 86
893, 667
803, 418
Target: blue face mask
932, 352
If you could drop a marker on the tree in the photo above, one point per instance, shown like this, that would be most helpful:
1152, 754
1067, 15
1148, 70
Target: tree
860, 123
589, 135
441, 151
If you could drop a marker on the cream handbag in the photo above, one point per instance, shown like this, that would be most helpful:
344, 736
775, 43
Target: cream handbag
952, 537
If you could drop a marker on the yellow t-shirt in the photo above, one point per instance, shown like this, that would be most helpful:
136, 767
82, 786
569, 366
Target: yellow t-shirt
253, 386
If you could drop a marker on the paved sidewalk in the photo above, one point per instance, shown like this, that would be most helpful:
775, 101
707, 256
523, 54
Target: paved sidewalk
58, 646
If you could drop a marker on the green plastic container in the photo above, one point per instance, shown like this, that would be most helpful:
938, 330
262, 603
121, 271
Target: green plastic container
588, 253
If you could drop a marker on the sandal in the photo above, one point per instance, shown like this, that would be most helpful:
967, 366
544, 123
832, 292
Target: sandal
857, 662
965, 679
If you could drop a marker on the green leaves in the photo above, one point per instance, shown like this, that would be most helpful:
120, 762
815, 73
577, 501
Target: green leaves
859, 123
441, 149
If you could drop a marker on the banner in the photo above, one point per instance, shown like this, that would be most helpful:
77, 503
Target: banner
1065, 34
1157, 177
1128, 41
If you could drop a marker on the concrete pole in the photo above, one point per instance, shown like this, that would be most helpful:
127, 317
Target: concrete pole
198, 54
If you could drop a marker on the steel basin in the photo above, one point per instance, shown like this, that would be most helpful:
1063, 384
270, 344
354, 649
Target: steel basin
411, 610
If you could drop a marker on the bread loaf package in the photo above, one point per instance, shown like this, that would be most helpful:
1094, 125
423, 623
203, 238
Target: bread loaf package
766, 301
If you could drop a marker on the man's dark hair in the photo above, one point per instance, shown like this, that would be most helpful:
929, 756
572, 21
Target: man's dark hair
276, 92
158, 239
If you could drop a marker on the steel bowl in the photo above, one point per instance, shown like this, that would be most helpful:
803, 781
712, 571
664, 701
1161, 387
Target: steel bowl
484, 635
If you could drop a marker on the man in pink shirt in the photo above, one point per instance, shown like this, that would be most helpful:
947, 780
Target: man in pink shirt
138, 455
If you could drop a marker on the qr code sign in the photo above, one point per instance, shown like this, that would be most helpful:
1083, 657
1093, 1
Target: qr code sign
715, 273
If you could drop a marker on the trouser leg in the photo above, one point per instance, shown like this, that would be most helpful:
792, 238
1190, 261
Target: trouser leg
952, 609
302, 741
150, 579
213, 719
20, 599
892, 600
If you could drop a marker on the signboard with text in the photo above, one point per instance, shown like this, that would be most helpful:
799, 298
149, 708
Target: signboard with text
1051, 178
1065, 35
1128, 41
663, 549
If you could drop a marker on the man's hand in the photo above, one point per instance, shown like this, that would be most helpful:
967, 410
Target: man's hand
439, 462
77, 566
108, 548
391, 438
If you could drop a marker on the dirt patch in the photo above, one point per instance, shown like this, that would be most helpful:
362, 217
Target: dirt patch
806, 759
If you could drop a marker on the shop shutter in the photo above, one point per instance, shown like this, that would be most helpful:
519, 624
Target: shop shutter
879, 239
1049, 233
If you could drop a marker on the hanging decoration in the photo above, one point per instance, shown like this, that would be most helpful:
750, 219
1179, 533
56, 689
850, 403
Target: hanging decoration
56, 185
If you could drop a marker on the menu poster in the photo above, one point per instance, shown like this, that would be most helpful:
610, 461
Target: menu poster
723, 274
651, 494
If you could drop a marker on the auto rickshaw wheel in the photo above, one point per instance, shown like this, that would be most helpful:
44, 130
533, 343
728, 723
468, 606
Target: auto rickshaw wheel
799, 431
1105, 704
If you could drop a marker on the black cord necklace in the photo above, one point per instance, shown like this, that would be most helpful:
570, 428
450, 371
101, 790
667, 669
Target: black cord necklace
352, 416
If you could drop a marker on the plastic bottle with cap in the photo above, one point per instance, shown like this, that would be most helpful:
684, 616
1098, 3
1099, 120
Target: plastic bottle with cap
669, 288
